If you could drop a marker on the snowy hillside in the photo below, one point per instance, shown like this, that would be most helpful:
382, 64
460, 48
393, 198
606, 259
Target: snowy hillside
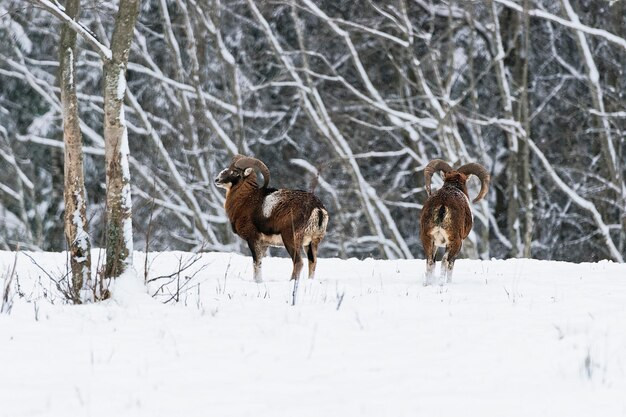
507, 338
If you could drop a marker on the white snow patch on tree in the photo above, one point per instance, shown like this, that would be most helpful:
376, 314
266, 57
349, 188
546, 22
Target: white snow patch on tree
77, 220
121, 85
70, 67
127, 203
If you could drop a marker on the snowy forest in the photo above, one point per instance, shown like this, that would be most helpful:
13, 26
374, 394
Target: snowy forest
352, 98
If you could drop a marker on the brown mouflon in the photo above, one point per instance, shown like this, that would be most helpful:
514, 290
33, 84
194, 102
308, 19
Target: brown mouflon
264, 216
447, 217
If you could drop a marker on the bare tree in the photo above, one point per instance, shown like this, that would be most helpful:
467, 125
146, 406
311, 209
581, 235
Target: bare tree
119, 229
76, 227
119, 236
524, 117
513, 139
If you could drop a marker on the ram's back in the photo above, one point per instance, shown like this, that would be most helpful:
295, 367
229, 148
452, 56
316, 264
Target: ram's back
446, 215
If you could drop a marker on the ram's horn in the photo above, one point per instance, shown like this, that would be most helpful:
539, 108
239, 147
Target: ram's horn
243, 162
432, 167
482, 174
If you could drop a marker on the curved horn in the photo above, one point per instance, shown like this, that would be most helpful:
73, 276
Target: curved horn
432, 167
482, 174
243, 162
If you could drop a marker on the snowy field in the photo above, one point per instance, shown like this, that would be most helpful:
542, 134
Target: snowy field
507, 338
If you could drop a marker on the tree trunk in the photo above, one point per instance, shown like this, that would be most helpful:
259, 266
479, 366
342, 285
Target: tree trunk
512, 193
527, 194
76, 227
119, 233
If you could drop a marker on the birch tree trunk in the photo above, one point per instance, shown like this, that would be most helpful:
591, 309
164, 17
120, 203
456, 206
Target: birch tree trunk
76, 227
119, 233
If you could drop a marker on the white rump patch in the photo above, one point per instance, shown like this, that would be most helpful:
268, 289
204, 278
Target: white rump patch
270, 202
440, 236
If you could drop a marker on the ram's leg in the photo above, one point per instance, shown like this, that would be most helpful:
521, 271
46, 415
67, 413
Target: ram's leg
311, 253
294, 248
258, 250
447, 265
430, 251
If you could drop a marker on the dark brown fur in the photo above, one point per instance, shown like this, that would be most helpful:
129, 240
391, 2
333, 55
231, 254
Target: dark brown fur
446, 215
297, 217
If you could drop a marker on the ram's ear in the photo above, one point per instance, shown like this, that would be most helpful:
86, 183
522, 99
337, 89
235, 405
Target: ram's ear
248, 171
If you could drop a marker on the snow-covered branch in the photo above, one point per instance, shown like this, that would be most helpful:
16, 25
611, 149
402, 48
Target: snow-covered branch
580, 202
59, 12
567, 23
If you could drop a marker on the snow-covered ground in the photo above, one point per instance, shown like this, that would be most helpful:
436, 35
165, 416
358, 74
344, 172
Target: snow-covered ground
507, 338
